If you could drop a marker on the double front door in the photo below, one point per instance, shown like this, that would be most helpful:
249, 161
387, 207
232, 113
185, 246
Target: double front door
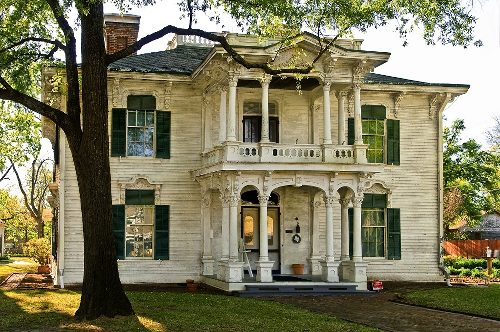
250, 233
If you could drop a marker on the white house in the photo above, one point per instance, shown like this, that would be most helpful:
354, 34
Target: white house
340, 171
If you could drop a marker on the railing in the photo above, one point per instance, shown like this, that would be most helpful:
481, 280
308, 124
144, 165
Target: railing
283, 153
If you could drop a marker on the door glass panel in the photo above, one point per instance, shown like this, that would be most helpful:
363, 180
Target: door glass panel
248, 231
273, 228
250, 227
270, 231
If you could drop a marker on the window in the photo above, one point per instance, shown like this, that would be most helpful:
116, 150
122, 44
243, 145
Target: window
380, 228
140, 227
380, 134
252, 122
140, 130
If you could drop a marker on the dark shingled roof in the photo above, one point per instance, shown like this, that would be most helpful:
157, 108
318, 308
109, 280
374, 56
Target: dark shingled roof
185, 59
181, 60
372, 78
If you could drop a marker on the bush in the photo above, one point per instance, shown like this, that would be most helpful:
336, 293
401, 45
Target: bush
4, 258
38, 249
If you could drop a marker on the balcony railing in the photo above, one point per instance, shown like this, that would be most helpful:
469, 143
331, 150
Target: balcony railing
284, 153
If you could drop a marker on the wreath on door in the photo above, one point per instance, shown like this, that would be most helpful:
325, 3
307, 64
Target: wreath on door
296, 238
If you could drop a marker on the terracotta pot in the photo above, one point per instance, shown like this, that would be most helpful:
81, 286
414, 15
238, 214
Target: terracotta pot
191, 286
43, 269
298, 268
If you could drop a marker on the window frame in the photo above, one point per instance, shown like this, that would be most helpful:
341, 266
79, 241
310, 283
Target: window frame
153, 238
257, 116
142, 100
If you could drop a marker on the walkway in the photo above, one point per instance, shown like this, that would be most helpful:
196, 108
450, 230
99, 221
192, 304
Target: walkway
381, 312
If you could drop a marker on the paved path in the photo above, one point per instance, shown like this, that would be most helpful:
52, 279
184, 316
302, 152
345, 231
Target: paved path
380, 312
13, 281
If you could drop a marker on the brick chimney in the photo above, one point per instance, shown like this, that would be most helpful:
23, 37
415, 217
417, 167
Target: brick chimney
120, 31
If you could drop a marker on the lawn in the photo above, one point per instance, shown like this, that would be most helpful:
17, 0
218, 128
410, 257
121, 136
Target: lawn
479, 300
163, 311
16, 264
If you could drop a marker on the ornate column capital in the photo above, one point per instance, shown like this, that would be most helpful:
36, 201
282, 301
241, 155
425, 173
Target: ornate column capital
233, 80
263, 199
329, 200
357, 201
225, 200
341, 94
344, 202
234, 200
265, 80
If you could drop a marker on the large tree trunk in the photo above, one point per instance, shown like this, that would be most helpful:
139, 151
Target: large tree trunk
102, 292
40, 225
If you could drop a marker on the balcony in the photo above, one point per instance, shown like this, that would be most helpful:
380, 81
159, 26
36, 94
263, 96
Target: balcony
274, 156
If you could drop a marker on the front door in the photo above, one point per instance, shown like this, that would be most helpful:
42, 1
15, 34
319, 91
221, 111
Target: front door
250, 233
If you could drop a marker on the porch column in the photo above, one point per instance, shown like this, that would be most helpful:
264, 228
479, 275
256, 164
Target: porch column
329, 266
225, 229
222, 114
233, 228
207, 123
358, 134
264, 265
263, 252
357, 249
327, 135
341, 99
206, 259
231, 116
329, 228
344, 228
264, 136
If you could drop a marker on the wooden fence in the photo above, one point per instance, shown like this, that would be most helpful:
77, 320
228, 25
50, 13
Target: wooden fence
470, 248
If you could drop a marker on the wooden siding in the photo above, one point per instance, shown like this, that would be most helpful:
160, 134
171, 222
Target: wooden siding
413, 185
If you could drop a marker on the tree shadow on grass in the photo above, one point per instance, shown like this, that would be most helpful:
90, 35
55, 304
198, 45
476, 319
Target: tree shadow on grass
53, 310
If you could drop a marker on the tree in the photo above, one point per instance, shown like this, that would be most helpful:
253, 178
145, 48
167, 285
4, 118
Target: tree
493, 135
19, 226
471, 178
32, 32
19, 136
35, 191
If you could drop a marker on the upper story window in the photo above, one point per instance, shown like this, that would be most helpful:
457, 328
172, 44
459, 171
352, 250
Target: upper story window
379, 133
252, 121
140, 130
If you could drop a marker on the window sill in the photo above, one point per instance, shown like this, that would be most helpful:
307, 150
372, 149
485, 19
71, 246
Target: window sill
154, 160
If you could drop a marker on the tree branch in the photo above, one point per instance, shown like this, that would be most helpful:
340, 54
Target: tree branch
57, 44
4, 175
23, 192
73, 95
218, 39
57, 116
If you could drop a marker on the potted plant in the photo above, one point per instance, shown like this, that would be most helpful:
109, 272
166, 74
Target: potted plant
298, 269
39, 250
191, 286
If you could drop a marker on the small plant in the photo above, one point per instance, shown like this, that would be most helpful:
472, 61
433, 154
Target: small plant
4, 258
39, 250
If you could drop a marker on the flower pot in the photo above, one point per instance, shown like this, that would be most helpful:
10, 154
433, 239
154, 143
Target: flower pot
191, 286
43, 269
298, 268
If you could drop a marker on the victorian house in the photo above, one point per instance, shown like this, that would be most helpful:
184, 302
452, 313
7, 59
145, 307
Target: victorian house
231, 176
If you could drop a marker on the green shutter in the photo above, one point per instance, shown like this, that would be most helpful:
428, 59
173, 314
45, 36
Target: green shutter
118, 132
393, 234
118, 224
350, 216
161, 232
393, 142
350, 131
163, 120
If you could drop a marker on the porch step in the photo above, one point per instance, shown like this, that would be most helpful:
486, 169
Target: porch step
288, 290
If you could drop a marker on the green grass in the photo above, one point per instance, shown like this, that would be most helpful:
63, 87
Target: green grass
480, 300
163, 311
8, 267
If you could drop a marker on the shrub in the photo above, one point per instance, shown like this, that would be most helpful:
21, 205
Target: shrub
38, 250
4, 258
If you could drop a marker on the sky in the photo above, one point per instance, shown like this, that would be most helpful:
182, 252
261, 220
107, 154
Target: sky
478, 67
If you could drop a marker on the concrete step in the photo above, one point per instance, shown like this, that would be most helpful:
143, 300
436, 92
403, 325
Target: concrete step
289, 290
